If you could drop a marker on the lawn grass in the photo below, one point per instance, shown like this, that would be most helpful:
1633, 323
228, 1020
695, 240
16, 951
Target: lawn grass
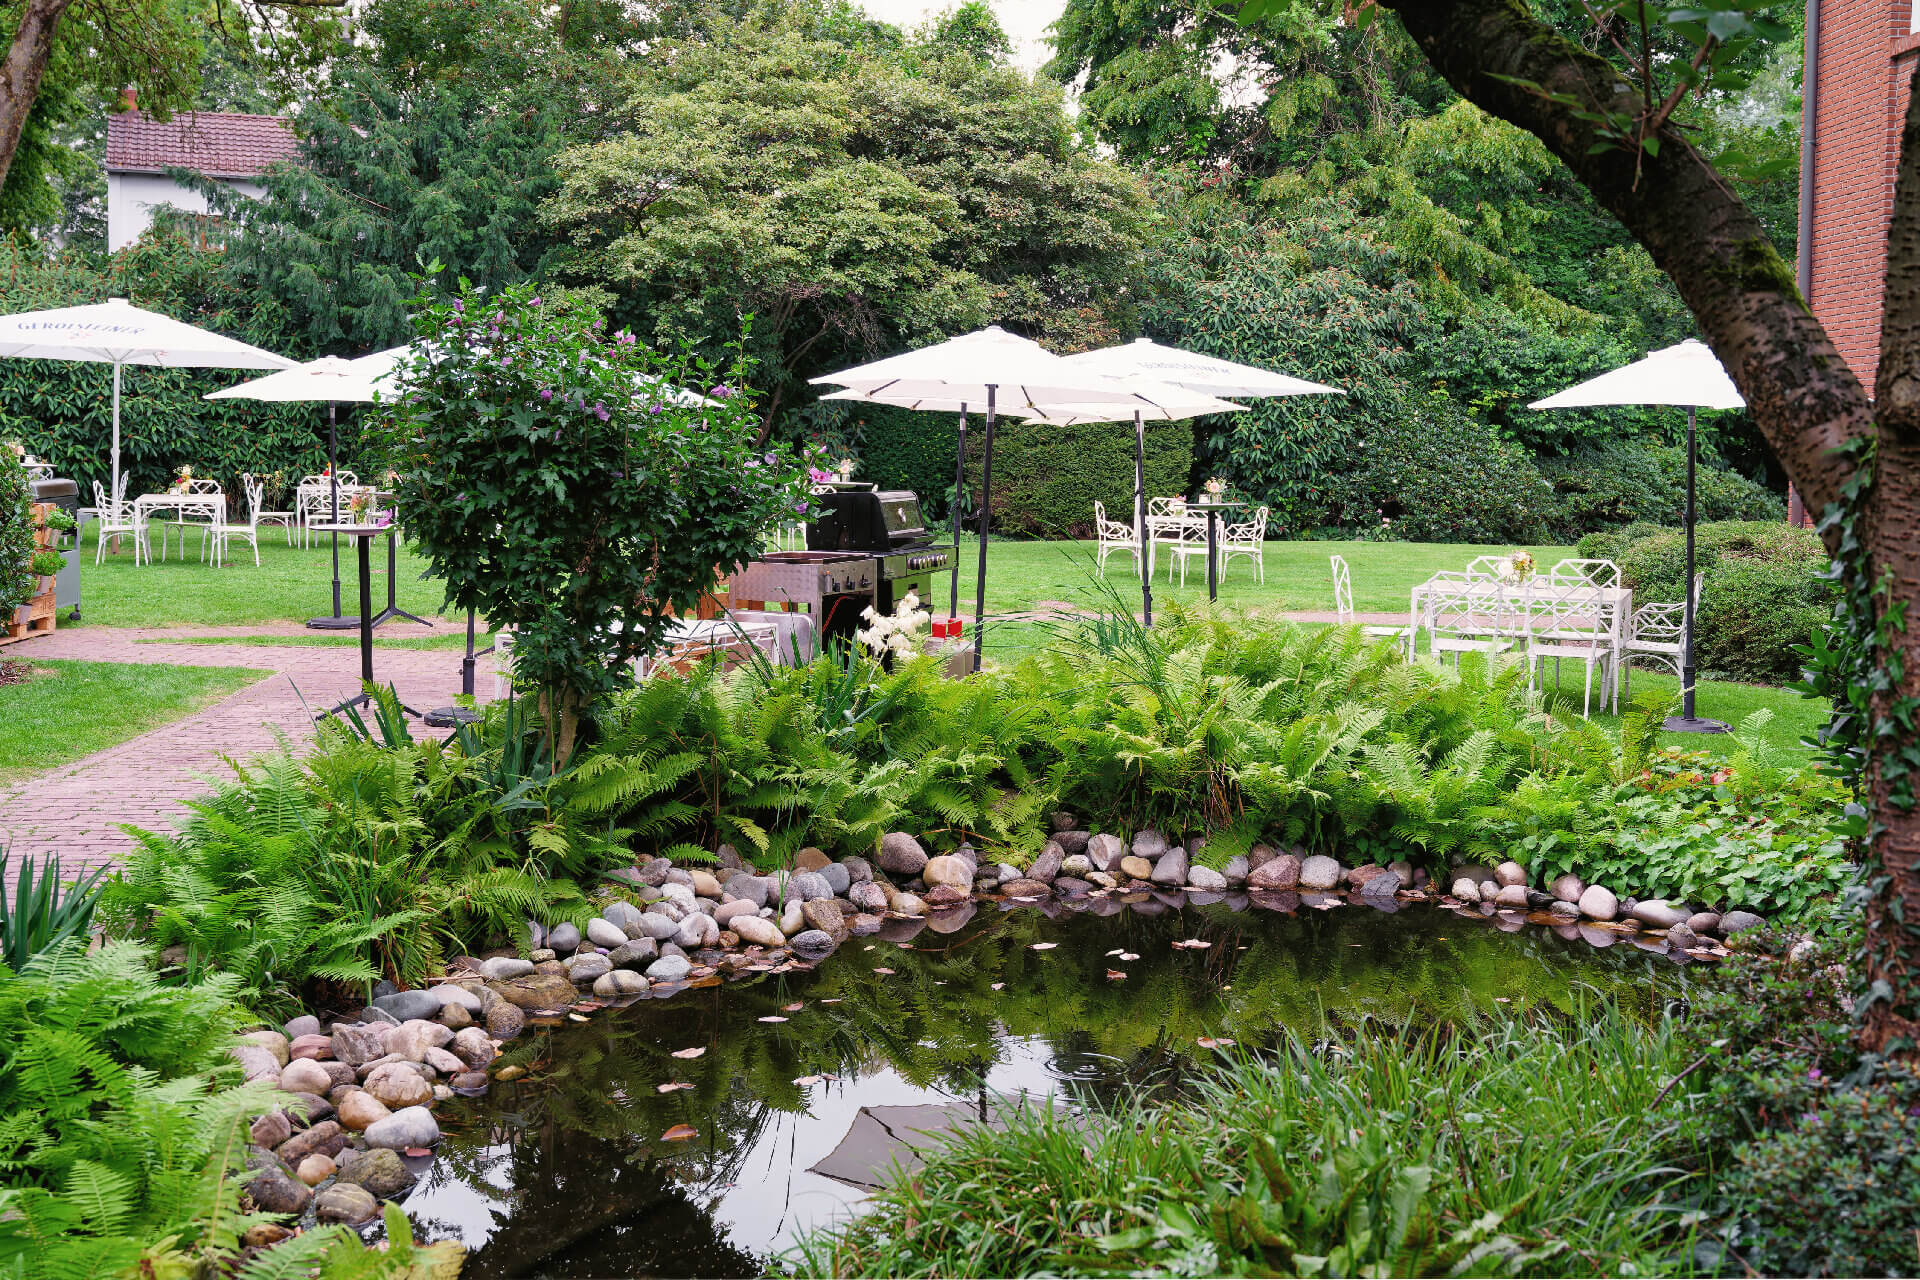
291, 584
66, 710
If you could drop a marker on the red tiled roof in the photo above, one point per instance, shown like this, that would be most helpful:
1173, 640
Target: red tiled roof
219, 144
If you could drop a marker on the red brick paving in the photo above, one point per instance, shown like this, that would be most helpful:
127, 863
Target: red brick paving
76, 810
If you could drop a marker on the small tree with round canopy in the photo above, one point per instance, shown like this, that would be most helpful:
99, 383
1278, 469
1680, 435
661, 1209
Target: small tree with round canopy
559, 482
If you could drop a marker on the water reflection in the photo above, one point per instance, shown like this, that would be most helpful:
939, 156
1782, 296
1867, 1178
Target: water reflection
568, 1173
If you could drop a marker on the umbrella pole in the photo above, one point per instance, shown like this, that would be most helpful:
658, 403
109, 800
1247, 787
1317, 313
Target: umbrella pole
959, 488
335, 622
1140, 513
986, 522
1687, 721
118, 494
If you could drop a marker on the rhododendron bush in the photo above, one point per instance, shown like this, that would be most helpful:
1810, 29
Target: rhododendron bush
576, 485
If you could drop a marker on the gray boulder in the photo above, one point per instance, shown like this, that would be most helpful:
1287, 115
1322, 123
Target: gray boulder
1739, 922
407, 1127
658, 926
1567, 888
605, 933
585, 969
1236, 870
637, 954
619, 913
304, 1025
408, 1005
1276, 874
619, 983
1319, 873
505, 967
1149, 844
808, 885
859, 870
1597, 902
1171, 869
755, 889
812, 942
838, 878
669, 969
1205, 879
901, 854
1047, 865
273, 1188
1657, 913
1510, 873
563, 939
383, 1173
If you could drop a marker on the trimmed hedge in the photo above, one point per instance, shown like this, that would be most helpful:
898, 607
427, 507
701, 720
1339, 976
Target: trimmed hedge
1047, 478
1631, 482
1766, 589
1433, 474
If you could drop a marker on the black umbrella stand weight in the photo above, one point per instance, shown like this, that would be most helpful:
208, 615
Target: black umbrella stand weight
1687, 721
986, 522
1140, 514
335, 622
959, 491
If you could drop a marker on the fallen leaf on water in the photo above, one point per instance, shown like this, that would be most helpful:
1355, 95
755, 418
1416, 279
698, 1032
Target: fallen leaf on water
882, 969
795, 1007
680, 1133
998, 985
1128, 955
672, 1086
1116, 951
1212, 1042
1043, 946
1504, 999
577, 1017
808, 1079
1116, 975
417, 1152
833, 1000
694, 1052
773, 1017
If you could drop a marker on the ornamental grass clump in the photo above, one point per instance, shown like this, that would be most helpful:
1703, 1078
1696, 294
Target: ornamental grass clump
559, 479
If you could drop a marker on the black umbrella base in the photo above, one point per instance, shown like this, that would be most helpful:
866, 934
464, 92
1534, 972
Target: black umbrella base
1694, 724
335, 623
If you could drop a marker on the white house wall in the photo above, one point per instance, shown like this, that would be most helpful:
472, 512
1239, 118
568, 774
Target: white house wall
132, 198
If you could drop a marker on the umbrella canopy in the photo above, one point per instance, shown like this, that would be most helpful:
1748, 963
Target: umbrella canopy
1685, 374
975, 367
118, 333
329, 380
1210, 375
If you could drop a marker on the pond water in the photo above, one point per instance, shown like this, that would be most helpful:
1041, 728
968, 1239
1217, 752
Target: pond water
567, 1173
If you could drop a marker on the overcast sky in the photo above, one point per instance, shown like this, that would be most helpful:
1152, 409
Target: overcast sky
1025, 21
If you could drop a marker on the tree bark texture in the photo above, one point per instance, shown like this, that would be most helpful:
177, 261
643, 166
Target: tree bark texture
1804, 398
21, 72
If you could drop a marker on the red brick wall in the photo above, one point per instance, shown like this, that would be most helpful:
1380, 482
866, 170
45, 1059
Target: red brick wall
1866, 60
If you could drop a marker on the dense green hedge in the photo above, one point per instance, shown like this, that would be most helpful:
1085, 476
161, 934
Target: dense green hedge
1765, 589
1633, 482
1047, 478
63, 411
905, 449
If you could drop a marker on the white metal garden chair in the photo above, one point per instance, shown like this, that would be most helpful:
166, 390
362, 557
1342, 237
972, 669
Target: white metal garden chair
1469, 617
224, 533
286, 519
1113, 537
1487, 568
1171, 525
1570, 621
1249, 539
1584, 573
122, 520
1402, 637
1658, 632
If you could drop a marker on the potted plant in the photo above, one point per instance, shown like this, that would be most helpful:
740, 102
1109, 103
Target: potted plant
45, 564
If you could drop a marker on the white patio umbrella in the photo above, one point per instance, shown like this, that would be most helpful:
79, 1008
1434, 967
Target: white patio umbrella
334, 381
1192, 371
993, 368
1687, 374
118, 333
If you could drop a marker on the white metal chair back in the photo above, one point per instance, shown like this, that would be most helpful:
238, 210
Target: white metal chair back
1342, 590
256, 499
1476, 617
1570, 620
1589, 573
199, 485
1485, 568
1113, 536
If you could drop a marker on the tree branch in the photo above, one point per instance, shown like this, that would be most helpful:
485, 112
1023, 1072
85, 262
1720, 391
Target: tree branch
1801, 393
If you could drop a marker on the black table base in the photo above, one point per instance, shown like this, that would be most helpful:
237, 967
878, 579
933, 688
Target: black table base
366, 624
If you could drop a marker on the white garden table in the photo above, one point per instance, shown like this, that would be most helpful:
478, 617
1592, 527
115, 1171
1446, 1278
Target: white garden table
1615, 605
213, 506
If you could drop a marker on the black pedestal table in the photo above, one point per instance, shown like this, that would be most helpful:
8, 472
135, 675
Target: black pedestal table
363, 536
1213, 510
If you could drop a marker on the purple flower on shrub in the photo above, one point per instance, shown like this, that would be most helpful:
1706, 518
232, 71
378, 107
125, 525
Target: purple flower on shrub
546, 393
534, 301
721, 392
600, 411
653, 408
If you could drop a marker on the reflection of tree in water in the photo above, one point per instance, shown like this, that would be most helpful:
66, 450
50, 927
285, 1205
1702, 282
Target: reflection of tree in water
590, 1188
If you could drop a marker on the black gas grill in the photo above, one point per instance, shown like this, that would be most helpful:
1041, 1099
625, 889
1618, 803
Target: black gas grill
886, 527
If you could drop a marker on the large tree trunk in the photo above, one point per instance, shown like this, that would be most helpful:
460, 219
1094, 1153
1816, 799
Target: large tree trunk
1804, 398
21, 73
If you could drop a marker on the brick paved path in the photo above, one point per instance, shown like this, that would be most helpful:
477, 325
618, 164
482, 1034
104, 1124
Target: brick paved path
75, 810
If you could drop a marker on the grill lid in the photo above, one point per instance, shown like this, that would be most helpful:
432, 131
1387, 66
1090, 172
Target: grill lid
866, 519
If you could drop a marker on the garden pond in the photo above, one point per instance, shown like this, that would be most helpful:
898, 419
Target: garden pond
788, 1080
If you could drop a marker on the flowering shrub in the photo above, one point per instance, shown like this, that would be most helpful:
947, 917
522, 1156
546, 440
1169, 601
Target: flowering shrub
897, 635
560, 482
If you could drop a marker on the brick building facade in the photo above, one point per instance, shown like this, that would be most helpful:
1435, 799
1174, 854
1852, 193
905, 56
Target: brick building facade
1860, 58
